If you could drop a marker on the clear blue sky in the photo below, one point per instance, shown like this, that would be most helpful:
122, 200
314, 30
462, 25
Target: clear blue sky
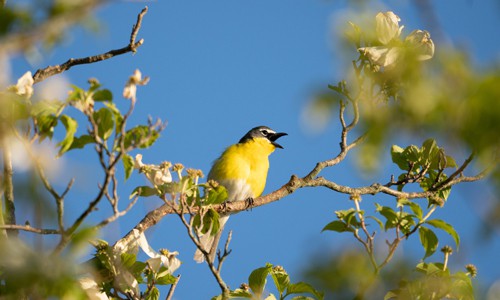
219, 68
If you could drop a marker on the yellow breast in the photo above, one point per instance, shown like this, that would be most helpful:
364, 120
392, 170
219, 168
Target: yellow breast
246, 162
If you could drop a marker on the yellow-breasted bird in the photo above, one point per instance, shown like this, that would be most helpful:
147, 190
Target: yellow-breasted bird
242, 170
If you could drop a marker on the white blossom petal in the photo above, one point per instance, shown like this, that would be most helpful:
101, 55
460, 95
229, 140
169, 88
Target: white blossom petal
143, 243
129, 91
155, 263
138, 161
382, 56
387, 27
421, 41
24, 85
92, 289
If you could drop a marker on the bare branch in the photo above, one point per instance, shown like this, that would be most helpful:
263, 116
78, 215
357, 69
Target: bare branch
118, 214
30, 229
8, 188
172, 288
49, 71
227, 251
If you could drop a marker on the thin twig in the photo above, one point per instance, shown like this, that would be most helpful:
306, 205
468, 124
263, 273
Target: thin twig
222, 257
172, 288
43, 74
195, 239
118, 214
30, 229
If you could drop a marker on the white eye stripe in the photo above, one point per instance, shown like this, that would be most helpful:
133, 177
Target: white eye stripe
266, 132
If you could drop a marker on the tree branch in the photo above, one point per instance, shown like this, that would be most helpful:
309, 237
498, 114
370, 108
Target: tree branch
30, 229
8, 189
172, 288
49, 71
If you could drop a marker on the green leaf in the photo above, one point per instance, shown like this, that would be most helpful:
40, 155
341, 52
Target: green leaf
377, 220
436, 223
349, 216
412, 154
211, 220
154, 294
429, 150
105, 123
405, 221
238, 293
128, 259
450, 162
301, 288
46, 124
77, 94
166, 279
257, 279
281, 280
217, 195
128, 165
144, 191
47, 107
445, 193
429, 241
415, 208
398, 158
140, 137
71, 125
137, 268
338, 226
389, 214
103, 95
81, 141
118, 117
462, 287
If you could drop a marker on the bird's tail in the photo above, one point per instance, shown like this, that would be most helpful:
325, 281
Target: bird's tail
210, 242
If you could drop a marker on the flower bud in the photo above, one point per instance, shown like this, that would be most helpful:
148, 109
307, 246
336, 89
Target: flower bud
472, 270
245, 287
447, 250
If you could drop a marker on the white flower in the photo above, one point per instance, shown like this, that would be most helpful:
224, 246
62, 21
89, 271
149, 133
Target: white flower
420, 41
92, 289
136, 79
382, 56
162, 176
387, 27
157, 259
24, 85
157, 175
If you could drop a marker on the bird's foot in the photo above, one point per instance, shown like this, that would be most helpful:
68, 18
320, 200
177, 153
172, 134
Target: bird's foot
249, 203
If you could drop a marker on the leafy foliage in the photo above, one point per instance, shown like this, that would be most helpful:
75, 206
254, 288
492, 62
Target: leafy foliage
258, 279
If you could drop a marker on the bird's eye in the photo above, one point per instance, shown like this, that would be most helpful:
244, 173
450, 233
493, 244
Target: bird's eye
264, 132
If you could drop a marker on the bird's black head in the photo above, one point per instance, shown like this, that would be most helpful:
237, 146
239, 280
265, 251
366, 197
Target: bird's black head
263, 132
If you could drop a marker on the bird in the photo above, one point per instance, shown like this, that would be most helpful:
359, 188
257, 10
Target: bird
242, 169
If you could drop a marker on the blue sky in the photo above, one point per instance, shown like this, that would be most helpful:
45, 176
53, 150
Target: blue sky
218, 69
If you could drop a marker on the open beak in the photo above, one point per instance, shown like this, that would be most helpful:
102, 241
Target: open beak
276, 136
